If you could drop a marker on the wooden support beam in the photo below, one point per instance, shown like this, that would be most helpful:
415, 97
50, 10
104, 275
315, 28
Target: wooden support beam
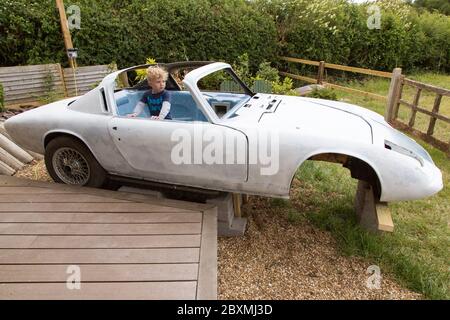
384, 217
61, 74
437, 104
425, 111
429, 87
372, 215
303, 61
394, 93
5, 169
10, 160
295, 76
237, 205
399, 97
355, 91
13, 149
412, 120
321, 72
65, 30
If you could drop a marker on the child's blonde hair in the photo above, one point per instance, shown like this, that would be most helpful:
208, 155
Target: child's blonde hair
157, 73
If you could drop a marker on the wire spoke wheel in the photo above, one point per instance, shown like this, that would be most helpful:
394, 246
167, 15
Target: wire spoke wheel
71, 166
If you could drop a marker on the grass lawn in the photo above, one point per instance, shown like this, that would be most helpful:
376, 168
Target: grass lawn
417, 252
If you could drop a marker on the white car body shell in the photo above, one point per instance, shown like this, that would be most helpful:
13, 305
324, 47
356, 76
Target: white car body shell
305, 127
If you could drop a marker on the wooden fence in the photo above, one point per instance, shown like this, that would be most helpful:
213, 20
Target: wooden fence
397, 88
393, 100
27, 84
321, 79
30, 84
86, 78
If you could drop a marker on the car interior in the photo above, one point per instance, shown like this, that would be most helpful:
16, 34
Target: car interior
183, 107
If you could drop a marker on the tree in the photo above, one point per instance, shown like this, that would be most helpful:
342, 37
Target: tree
443, 6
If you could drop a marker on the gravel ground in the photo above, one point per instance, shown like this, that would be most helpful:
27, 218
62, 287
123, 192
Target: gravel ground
34, 171
277, 259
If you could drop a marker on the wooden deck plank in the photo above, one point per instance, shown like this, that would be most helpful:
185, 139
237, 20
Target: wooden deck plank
5, 189
8, 182
128, 246
110, 291
99, 273
86, 207
81, 242
56, 198
207, 278
98, 229
98, 256
98, 217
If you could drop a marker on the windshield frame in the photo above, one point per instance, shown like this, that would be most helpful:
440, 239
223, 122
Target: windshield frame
191, 82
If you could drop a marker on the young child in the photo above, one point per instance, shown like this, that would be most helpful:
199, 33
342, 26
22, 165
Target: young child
157, 99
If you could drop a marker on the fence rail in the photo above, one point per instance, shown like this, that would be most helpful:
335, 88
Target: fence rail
415, 108
321, 76
29, 84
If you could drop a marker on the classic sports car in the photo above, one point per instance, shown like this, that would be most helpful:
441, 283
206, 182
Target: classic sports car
222, 136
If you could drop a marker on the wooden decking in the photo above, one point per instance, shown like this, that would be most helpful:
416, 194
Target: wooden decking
127, 246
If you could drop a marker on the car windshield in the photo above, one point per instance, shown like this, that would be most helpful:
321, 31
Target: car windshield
224, 92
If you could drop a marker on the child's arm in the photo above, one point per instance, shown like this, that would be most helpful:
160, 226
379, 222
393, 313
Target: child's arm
165, 109
139, 108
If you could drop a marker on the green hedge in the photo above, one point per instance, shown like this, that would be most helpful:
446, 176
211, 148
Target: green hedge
336, 31
128, 32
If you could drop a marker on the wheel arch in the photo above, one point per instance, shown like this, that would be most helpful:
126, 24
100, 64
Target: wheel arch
59, 133
359, 166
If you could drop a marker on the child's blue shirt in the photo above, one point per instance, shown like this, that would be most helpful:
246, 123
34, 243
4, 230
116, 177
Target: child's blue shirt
154, 102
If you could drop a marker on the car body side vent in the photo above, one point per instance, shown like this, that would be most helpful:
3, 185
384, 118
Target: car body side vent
105, 104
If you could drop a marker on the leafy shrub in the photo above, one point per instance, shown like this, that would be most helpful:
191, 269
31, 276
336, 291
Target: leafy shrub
270, 74
51, 94
130, 31
336, 31
284, 87
142, 74
267, 72
327, 94
171, 30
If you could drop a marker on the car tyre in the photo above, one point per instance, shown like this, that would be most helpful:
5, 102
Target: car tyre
69, 161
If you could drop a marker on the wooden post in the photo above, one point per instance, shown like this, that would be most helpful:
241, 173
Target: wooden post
65, 30
399, 97
412, 120
321, 72
448, 151
437, 103
63, 80
372, 215
394, 93
237, 205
